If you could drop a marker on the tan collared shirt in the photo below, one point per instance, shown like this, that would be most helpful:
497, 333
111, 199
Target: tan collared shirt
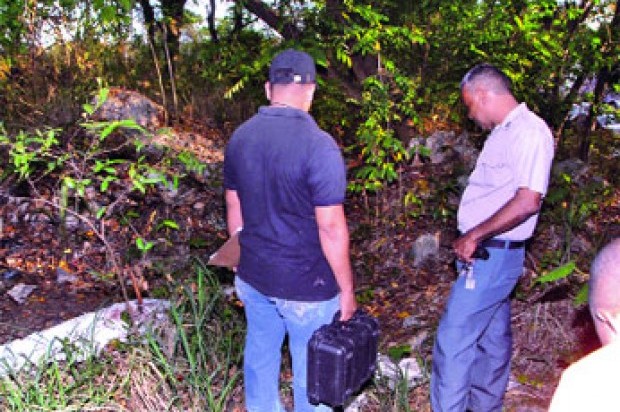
517, 154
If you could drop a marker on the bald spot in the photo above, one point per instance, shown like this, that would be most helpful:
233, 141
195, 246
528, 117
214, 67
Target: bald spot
486, 77
605, 279
489, 83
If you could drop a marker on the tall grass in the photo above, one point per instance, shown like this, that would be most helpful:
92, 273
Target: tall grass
200, 361
80, 382
188, 365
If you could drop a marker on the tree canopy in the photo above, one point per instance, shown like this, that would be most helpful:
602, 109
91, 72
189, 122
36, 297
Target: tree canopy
557, 53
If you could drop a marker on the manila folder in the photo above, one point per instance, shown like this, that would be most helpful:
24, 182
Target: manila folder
228, 254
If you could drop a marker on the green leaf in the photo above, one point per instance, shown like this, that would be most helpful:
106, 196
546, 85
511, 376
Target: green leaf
139, 186
101, 212
169, 224
69, 182
129, 124
396, 353
558, 273
103, 96
582, 296
106, 183
108, 14
88, 108
143, 245
108, 130
126, 5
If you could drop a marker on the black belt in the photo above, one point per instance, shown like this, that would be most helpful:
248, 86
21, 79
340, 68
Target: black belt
502, 244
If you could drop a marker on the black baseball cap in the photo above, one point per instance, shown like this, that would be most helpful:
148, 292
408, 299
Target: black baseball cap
292, 66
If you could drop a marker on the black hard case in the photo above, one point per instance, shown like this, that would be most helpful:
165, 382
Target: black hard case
342, 356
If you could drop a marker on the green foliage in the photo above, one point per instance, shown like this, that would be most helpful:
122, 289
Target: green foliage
72, 384
413, 204
144, 245
30, 152
193, 366
564, 272
394, 392
33, 155
83, 169
398, 352
581, 297
420, 51
571, 204
192, 163
207, 345
169, 224
17, 18
330, 110
230, 86
381, 151
544, 46
558, 273
388, 98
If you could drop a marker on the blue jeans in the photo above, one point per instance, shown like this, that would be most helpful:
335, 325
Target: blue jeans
471, 356
269, 320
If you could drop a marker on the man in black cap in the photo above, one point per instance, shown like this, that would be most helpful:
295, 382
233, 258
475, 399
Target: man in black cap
285, 187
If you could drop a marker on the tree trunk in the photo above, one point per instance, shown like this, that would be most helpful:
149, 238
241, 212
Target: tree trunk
149, 19
237, 19
361, 66
570, 97
173, 20
211, 21
603, 78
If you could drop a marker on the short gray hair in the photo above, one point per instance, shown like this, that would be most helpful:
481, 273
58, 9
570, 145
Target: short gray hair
605, 278
489, 77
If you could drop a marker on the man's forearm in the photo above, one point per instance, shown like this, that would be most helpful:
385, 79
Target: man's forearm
524, 204
334, 238
335, 246
234, 218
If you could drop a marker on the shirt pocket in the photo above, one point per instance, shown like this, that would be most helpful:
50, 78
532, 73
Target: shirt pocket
494, 173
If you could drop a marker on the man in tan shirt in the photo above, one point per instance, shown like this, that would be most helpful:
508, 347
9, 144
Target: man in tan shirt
498, 211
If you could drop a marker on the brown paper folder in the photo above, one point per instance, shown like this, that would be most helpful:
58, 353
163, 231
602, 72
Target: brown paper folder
228, 254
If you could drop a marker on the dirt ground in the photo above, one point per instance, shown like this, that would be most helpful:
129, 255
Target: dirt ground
549, 331
408, 301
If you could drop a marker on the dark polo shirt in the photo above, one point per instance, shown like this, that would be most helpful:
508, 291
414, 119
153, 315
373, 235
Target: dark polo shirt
282, 166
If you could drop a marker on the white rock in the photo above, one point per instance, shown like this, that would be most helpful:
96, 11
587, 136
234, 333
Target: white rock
357, 405
411, 321
407, 368
410, 370
89, 333
20, 292
62, 276
416, 341
425, 246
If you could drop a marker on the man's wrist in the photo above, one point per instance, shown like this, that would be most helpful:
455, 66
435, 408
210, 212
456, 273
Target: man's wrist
474, 235
347, 291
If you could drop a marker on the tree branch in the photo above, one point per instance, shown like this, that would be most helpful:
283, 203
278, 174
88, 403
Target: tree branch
278, 23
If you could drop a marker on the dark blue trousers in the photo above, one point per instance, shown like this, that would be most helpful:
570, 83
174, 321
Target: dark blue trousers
473, 345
